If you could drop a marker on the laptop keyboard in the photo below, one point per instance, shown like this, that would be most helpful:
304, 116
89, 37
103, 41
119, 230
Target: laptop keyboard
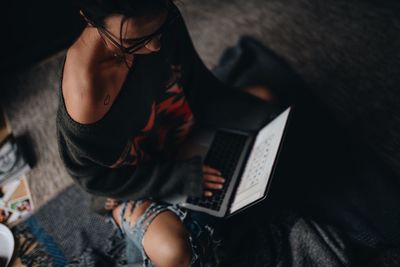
223, 155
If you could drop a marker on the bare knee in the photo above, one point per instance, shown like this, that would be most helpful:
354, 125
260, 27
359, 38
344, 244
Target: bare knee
261, 92
166, 241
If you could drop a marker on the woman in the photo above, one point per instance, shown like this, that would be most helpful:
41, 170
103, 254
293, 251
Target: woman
132, 88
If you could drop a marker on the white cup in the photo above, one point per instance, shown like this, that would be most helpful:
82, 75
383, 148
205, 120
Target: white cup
6, 244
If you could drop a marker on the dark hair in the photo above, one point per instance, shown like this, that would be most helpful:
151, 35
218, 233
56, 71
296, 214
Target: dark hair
98, 10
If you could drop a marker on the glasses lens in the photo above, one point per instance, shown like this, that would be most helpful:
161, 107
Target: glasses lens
172, 16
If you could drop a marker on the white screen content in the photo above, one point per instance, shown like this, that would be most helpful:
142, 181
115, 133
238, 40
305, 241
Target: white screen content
259, 165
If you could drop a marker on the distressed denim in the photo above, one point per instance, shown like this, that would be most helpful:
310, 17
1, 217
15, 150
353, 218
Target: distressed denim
199, 226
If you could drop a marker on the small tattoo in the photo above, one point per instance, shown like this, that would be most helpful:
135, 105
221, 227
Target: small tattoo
107, 100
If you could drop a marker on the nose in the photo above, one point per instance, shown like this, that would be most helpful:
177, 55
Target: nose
154, 45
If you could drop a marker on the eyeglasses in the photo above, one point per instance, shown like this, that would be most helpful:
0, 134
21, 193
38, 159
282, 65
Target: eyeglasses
173, 14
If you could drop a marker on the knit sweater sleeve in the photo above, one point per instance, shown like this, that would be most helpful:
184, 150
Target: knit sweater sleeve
96, 155
100, 156
89, 157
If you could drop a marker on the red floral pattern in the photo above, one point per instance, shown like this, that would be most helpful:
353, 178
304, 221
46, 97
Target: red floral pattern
169, 123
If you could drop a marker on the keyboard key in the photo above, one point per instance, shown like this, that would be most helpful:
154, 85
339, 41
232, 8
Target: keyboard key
223, 155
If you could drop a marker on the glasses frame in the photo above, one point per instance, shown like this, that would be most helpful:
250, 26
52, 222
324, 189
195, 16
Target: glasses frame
172, 15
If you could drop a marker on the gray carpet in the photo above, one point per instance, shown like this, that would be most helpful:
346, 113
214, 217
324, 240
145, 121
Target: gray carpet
346, 51
30, 104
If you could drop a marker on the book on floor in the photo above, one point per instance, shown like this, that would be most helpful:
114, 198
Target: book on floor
13, 163
15, 201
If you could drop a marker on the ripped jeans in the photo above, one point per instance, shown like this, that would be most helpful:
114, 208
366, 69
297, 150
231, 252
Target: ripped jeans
199, 225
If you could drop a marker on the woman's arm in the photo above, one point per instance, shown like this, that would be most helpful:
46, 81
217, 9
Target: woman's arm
156, 178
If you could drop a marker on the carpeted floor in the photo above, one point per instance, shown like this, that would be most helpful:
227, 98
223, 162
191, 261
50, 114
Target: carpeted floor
346, 51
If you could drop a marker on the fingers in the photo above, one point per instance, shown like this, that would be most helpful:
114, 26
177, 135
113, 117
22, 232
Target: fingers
212, 180
212, 186
210, 170
208, 193
212, 175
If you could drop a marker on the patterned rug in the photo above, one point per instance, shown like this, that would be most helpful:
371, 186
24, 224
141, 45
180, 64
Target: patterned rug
65, 232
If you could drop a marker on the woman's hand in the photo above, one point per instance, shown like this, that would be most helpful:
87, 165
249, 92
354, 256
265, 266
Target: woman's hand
212, 180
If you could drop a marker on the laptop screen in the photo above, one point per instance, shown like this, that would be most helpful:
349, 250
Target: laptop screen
258, 168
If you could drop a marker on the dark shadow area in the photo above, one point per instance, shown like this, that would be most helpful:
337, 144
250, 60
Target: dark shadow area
33, 30
25, 141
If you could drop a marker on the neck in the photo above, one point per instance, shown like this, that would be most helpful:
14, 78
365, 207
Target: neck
100, 51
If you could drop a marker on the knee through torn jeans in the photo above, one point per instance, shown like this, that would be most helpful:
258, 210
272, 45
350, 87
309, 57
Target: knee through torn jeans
199, 226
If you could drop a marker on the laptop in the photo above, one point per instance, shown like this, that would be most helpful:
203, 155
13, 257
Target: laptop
246, 161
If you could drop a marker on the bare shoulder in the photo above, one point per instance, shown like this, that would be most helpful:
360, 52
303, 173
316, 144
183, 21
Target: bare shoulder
81, 96
87, 87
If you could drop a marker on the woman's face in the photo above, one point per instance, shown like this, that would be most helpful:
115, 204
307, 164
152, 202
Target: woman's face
133, 29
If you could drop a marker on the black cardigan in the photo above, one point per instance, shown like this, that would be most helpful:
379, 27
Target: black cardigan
99, 156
